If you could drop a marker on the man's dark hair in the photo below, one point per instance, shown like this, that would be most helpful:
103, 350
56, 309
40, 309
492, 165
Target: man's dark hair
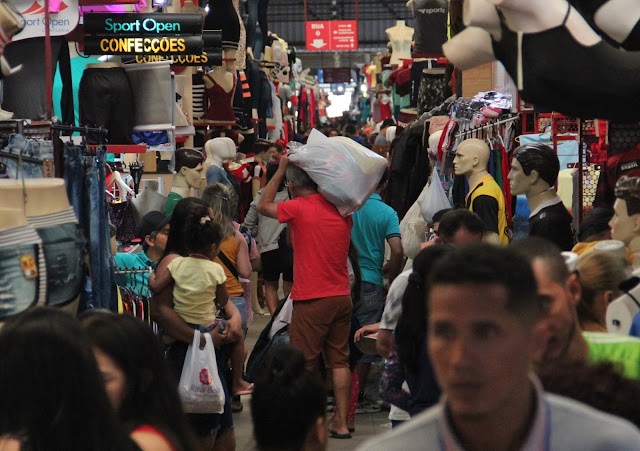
350, 130
459, 218
286, 401
532, 248
541, 158
628, 189
189, 158
272, 168
486, 264
595, 223
387, 123
437, 217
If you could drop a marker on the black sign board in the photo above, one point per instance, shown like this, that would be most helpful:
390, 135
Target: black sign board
336, 75
158, 24
139, 45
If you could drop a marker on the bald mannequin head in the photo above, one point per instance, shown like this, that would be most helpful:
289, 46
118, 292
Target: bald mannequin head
471, 158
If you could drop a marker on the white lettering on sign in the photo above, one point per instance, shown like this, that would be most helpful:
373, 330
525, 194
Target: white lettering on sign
317, 26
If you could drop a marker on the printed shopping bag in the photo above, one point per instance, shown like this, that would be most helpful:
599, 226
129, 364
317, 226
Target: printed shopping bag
200, 387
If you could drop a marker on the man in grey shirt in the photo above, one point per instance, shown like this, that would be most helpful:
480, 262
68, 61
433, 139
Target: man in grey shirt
482, 338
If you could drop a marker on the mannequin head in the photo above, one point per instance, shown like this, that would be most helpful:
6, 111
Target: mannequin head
625, 224
471, 157
261, 149
220, 150
188, 167
534, 168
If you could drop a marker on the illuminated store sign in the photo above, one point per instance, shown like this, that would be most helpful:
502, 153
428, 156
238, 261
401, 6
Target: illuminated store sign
166, 45
143, 34
143, 24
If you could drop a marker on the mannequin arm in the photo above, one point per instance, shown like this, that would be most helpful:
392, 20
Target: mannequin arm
255, 187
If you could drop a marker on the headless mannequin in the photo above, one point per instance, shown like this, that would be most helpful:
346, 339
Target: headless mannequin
148, 199
526, 33
471, 161
37, 197
400, 37
217, 150
220, 110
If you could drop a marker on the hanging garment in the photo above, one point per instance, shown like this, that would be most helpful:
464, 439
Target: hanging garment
198, 94
430, 26
222, 16
432, 92
153, 95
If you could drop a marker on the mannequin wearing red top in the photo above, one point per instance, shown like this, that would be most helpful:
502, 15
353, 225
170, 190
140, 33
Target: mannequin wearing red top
221, 86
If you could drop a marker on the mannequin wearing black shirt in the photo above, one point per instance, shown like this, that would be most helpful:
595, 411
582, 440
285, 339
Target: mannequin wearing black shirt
581, 60
534, 171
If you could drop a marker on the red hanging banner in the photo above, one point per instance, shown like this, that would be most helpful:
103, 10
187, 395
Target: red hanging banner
332, 35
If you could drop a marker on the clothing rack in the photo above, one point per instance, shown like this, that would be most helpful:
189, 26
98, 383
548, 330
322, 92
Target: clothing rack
124, 272
82, 130
487, 126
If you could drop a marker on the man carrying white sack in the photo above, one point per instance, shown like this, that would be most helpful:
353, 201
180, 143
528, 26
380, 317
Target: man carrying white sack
322, 306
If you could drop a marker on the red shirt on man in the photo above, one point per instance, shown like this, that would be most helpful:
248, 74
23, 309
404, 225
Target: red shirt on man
320, 239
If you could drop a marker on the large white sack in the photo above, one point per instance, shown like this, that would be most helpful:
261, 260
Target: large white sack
346, 172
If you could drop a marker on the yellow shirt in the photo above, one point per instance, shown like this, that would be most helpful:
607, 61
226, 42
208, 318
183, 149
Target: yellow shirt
486, 199
194, 293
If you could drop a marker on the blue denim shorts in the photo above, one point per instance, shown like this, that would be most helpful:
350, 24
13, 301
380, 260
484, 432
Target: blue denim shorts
19, 278
64, 255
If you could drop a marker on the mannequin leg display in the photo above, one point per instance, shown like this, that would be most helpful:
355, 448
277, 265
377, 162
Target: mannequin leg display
481, 14
470, 48
222, 16
252, 20
48, 211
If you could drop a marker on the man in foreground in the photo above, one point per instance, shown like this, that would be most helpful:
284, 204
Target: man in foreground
482, 316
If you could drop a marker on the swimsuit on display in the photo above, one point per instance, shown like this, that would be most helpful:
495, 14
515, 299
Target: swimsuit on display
220, 102
597, 81
63, 253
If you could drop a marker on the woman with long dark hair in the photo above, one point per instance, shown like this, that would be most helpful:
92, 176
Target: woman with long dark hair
52, 392
138, 382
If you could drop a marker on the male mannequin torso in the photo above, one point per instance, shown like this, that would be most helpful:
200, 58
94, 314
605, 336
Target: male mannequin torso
148, 199
217, 150
485, 197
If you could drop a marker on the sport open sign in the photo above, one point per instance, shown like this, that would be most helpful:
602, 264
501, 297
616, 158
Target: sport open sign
143, 34
143, 24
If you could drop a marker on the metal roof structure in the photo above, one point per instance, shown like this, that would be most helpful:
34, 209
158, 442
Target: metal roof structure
287, 18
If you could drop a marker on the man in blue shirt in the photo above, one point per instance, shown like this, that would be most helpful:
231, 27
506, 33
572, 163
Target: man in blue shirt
153, 231
374, 224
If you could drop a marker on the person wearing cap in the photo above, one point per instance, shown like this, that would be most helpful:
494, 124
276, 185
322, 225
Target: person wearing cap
153, 231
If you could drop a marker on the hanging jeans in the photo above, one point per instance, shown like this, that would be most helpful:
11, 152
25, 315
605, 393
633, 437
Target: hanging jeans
85, 189
257, 13
19, 145
102, 265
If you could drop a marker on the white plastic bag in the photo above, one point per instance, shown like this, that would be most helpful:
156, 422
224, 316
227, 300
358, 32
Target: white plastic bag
346, 172
435, 198
413, 227
200, 387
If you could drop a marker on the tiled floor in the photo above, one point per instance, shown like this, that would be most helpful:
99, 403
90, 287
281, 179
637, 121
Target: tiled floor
367, 425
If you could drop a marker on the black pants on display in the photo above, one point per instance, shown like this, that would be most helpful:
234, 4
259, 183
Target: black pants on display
106, 100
